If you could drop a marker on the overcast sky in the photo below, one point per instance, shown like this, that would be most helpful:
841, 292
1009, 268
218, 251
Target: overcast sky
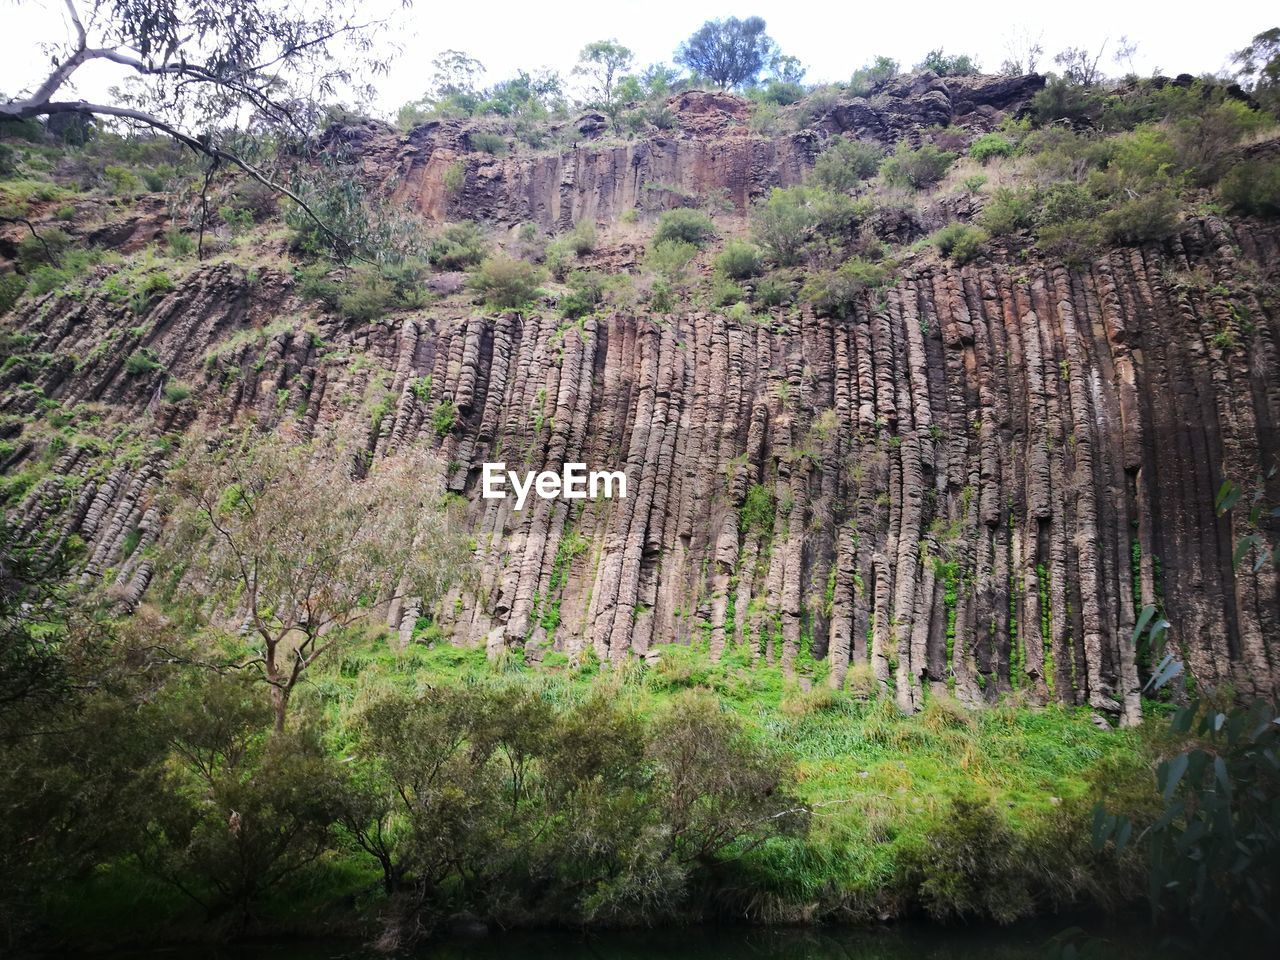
830, 39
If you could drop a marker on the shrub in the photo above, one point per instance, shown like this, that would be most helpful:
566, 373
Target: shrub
179, 244
1205, 139
1062, 100
1063, 202
1074, 242
868, 77
1149, 216
143, 361
974, 183
444, 417
365, 297
670, 257
686, 226
837, 292
771, 292
779, 92
724, 292
846, 163
506, 284
1253, 187
459, 246
787, 220
918, 168
956, 65
739, 260
175, 391
586, 292
484, 141
12, 286
1008, 211
582, 238
558, 257
960, 241
970, 865
121, 181
990, 145
455, 178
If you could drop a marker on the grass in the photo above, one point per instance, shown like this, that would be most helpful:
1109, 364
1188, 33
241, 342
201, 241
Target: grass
877, 781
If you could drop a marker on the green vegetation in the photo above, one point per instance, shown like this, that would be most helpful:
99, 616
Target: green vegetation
918, 167
507, 284
846, 163
684, 226
739, 260
960, 242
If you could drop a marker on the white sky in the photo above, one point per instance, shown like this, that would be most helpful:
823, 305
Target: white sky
831, 39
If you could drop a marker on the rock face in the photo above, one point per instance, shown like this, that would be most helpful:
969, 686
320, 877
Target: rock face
709, 151
976, 480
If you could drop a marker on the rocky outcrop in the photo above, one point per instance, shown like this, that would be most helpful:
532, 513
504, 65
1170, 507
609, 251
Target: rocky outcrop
708, 152
977, 479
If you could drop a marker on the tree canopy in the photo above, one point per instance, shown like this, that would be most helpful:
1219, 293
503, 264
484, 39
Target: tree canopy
729, 52
201, 70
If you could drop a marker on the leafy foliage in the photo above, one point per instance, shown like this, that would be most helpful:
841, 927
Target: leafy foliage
686, 226
506, 283
918, 167
729, 52
846, 163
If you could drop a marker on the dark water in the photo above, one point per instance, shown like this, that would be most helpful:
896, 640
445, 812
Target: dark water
1131, 942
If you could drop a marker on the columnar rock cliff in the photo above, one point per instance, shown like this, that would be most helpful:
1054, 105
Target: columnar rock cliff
978, 478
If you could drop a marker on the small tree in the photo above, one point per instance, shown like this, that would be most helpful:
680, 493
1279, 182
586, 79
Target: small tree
729, 52
1259, 67
603, 63
193, 68
284, 537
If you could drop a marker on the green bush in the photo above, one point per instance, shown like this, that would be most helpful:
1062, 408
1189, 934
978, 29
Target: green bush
739, 260
1063, 100
670, 257
364, 297
916, 168
960, 241
846, 163
1066, 201
686, 226
12, 286
586, 292
582, 238
771, 292
507, 284
460, 245
724, 292
143, 361
1149, 216
455, 178
1074, 242
121, 181
990, 145
789, 219
838, 292
868, 77
444, 417
956, 65
175, 391
971, 865
180, 244
483, 141
1008, 211
1253, 187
